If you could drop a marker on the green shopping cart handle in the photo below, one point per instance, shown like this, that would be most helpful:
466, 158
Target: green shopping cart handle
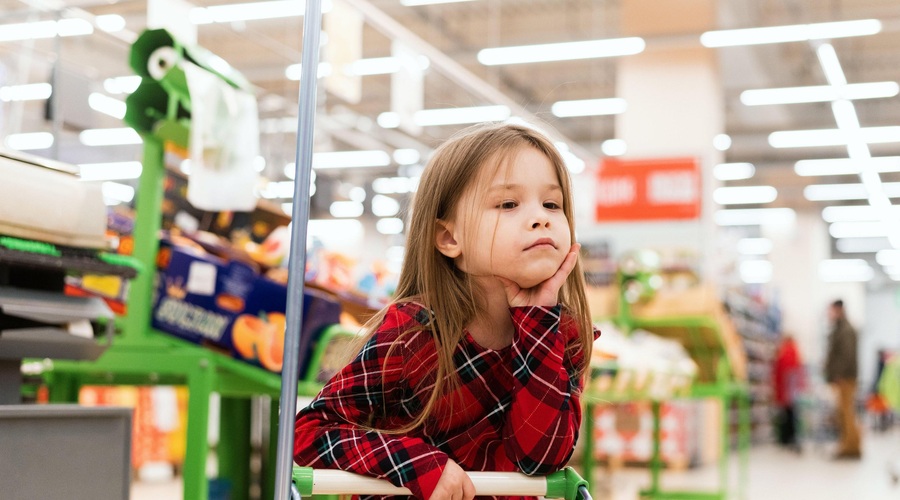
565, 484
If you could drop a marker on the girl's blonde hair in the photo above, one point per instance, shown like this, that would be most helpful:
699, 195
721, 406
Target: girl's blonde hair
433, 280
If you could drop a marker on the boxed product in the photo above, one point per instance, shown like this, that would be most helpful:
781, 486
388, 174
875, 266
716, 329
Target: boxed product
226, 304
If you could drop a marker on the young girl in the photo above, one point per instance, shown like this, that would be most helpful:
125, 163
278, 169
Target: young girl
478, 362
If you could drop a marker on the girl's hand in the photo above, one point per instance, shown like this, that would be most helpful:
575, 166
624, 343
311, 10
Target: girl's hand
546, 293
454, 484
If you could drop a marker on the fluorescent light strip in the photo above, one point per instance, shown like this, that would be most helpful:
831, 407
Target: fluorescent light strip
733, 171
846, 166
565, 51
346, 209
107, 105
744, 195
845, 270
45, 29
888, 257
118, 192
351, 159
755, 216
832, 137
29, 141
121, 84
109, 137
861, 245
791, 33
854, 213
835, 192
26, 92
415, 3
614, 147
110, 171
867, 229
250, 11
819, 93
294, 71
110, 23
756, 271
589, 107
459, 116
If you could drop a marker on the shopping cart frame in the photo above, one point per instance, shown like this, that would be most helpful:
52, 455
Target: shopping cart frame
566, 483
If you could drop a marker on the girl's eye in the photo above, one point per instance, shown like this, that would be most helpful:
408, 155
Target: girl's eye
552, 205
507, 205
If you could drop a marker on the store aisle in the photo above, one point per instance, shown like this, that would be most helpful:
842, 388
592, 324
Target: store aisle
775, 474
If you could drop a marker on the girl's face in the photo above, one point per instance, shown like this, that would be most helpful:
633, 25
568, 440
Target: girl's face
512, 225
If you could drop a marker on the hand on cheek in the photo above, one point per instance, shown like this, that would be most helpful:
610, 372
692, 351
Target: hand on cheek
545, 293
454, 484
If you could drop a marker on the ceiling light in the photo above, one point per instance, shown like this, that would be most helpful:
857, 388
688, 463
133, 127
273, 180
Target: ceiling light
412, 3
832, 137
756, 271
109, 137
861, 245
613, 147
819, 93
110, 23
393, 185
407, 156
381, 66
754, 246
792, 33
867, 229
834, 192
744, 195
294, 71
846, 166
755, 216
121, 84
250, 11
385, 206
855, 213
388, 119
351, 159
391, 225
888, 257
278, 190
107, 105
733, 171
29, 141
589, 107
26, 92
459, 116
109, 171
118, 192
845, 270
722, 142
565, 51
346, 209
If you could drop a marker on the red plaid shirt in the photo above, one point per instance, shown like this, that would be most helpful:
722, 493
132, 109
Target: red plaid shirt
517, 408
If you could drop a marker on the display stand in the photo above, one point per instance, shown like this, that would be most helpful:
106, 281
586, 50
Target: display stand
719, 377
160, 111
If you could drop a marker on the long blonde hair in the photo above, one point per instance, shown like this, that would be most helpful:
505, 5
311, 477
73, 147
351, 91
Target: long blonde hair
432, 279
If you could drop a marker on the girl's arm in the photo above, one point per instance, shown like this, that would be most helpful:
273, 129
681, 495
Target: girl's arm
330, 432
545, 414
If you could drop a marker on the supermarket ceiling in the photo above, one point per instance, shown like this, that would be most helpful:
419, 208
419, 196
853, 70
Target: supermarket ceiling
452, 35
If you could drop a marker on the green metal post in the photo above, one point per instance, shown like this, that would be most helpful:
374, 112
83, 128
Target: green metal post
726, 443
233, 451
656, 462
199, 389
587, 465
271, 452
146, 241
744, 430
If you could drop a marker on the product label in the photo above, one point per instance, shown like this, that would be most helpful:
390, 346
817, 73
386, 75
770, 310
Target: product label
193, 319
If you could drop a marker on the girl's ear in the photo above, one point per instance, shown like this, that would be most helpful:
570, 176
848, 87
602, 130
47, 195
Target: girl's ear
444, 240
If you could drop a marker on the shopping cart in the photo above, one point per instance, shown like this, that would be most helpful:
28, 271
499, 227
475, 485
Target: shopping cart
565, 484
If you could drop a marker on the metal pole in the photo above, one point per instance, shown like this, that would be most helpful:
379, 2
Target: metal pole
312, 27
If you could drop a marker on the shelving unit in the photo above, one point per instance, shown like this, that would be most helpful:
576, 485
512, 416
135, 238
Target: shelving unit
721, 376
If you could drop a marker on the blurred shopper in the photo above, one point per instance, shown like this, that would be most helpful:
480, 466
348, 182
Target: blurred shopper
788, 380
841, 372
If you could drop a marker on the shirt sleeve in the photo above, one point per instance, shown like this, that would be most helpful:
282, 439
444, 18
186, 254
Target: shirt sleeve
545, 412
331, 432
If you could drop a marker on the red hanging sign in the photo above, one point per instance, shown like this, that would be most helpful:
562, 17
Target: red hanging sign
648, 189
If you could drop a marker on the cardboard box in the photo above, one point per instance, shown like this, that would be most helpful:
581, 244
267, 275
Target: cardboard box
228, 305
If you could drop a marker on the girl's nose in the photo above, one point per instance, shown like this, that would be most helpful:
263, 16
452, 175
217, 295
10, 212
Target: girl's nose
542, 221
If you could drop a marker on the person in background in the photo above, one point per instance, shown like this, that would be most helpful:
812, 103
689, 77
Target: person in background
479, 360
788, 380
841, 372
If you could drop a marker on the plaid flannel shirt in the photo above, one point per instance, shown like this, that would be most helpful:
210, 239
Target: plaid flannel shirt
516, 409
